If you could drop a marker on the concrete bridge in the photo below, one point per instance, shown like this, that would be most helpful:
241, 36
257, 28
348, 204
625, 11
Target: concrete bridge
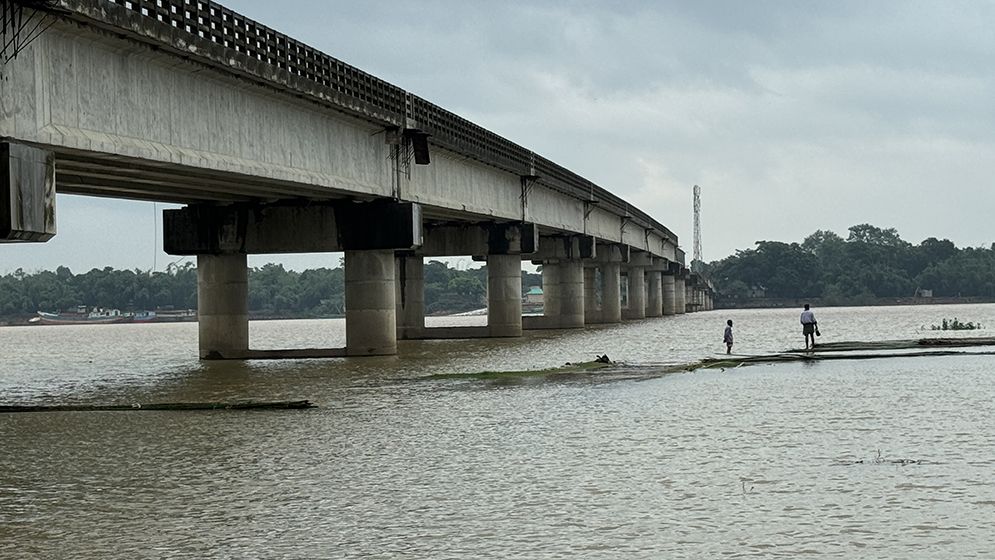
275, 147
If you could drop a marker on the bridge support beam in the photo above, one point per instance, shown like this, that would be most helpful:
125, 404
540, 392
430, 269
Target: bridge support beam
27, 193
504, 295
292, 228
223, 306
370, 320
410, 274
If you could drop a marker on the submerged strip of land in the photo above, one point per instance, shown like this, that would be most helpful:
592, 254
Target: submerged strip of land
852, 350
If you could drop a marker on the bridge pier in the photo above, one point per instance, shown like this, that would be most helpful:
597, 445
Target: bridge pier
562, 258
368, 233
637, 293
410, 274
370, 321
501, 245
669, 294
654, 293
504, 295
592, 308
568, 294
611, 296
563, 296
680, 295
223, 306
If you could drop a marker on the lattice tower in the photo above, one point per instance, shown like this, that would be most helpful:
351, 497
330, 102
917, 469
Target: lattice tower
697, 225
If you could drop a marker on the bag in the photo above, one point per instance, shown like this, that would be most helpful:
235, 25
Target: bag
817, 333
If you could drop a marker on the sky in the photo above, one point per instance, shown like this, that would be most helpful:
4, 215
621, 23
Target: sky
792, 116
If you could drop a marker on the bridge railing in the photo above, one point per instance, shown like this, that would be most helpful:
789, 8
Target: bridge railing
208, 31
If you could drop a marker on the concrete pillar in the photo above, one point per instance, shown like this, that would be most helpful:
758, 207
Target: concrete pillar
563, 293
592, 311
571, 294
680, 296
223, 305
504, 295
669, 295
410, 274
637, 293
370, 327
611, 296
654, 294
550, 289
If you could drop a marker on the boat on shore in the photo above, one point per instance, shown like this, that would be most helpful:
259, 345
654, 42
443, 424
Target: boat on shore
81, 316
100, 316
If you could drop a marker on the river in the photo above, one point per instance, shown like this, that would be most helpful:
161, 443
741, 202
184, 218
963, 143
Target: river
887, 458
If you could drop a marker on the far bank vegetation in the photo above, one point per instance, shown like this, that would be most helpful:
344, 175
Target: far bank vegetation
273, 290
871, 265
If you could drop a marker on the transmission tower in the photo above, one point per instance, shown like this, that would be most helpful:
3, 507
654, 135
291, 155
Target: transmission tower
697, 227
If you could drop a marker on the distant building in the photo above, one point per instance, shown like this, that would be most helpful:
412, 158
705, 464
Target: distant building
534, 295
924, 293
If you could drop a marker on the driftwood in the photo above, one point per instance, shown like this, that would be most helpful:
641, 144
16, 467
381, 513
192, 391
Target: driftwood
248, 405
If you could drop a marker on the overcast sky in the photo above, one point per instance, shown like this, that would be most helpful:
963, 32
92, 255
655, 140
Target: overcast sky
792, 116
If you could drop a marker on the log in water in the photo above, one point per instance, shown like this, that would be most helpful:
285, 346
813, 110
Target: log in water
248, 405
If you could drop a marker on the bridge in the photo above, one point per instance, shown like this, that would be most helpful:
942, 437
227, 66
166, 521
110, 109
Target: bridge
274, 147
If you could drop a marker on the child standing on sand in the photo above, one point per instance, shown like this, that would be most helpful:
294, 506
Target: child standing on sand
727, 337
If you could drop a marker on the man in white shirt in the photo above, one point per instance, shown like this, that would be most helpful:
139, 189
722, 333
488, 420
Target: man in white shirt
809, 326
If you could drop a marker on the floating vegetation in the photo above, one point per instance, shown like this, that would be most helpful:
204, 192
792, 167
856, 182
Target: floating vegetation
879, 460
955, 325
566, 369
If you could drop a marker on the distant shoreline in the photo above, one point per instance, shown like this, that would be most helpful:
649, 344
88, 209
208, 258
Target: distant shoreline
757, 303
774, 303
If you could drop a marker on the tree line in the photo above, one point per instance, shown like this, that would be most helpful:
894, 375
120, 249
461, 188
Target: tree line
871, 263
273, 290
